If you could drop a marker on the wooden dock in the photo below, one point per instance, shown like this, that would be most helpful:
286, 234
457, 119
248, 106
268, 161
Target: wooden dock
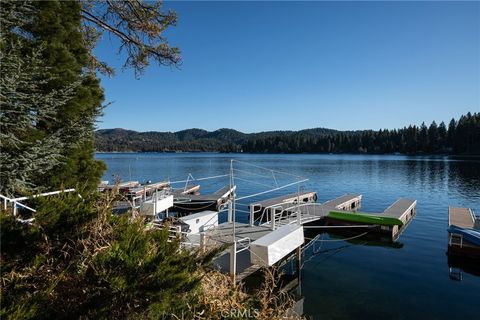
262, 210
286, 213
190, 189
350, 202
461, 217
189, 203
402, 209
457, 245
304, 196
246, 233
122, 187
146, 190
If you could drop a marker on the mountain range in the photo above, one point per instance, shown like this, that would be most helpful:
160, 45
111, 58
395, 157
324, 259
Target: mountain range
221, 140
461, 136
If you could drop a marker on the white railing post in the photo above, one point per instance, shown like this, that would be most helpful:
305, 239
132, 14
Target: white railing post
273, 214
233, 261
230, 211
14, 208
252, 213
155, 204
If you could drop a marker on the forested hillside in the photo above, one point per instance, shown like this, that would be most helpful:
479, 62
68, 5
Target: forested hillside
462, 136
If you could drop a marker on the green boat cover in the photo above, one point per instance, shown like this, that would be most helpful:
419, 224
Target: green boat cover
366, 218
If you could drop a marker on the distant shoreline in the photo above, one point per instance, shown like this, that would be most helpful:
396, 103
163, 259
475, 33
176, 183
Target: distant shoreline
453, 156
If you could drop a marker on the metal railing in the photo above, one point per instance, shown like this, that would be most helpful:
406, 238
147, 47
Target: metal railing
15, 202
242, 244
279, 215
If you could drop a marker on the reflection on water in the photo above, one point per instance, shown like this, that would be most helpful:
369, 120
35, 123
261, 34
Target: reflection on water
458, 265
362, 278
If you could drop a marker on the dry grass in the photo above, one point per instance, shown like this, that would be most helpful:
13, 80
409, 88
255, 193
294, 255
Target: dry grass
221, 298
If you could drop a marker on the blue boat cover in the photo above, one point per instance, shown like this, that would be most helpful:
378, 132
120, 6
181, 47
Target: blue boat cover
471, 235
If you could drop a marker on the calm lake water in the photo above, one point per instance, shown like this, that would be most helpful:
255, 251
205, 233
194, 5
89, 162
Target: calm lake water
365, 279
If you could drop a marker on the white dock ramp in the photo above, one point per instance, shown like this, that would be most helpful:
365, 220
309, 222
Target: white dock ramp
156, 205
201, 221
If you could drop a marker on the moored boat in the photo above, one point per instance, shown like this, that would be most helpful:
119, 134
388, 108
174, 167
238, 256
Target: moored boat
366, 218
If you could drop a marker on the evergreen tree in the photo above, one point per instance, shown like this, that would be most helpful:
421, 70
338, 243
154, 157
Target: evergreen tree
423, 137
29, 100
433, 138
57, 27
442, 136
452, 127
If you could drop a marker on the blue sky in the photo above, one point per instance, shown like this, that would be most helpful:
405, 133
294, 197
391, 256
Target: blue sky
257, 66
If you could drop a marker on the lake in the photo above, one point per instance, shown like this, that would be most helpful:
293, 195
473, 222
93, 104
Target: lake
364, 279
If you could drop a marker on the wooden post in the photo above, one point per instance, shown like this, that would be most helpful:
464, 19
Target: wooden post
299, 260
203, 243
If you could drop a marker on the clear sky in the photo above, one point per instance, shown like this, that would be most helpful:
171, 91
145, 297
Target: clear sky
257, 66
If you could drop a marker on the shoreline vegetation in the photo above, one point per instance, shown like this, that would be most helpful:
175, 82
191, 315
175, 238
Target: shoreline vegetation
79, 260
461, 138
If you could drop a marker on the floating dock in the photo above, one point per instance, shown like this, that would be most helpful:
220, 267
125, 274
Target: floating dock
349, 202
304, 196
392, 221
279, 230
146, 190
266, 241
190, 189
402, 209
461, 217
463, 232
191, 203
122, 186
262, 210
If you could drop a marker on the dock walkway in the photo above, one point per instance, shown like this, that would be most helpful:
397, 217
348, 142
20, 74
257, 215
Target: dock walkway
404, 210
304, 196
460, 217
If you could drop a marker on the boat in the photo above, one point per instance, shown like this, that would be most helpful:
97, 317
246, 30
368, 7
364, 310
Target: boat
365, 218
468, 234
